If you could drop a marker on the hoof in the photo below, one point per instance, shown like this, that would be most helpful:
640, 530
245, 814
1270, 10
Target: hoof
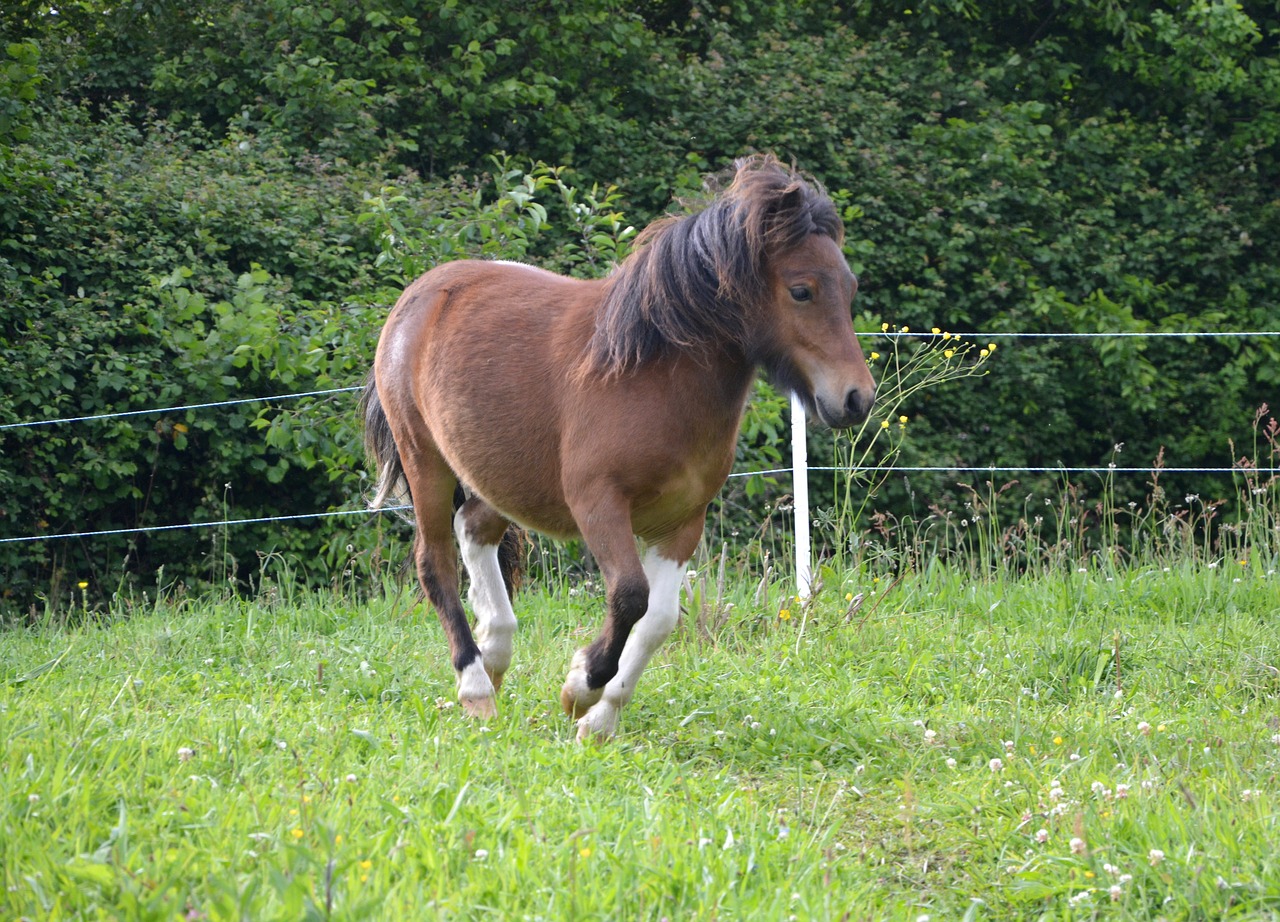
479, 708
575, 696
476, 692
599, 724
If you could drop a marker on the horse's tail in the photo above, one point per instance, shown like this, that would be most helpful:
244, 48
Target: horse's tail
380, 446
511, 556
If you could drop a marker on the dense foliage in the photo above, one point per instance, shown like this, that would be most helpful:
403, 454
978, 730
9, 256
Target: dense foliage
205, 202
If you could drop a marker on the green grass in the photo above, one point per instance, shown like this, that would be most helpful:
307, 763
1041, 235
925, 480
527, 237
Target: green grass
302, 760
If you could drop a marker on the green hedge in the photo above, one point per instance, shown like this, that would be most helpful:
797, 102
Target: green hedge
202, 204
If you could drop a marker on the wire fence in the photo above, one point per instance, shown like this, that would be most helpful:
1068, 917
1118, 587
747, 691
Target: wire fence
891, 334
165, 411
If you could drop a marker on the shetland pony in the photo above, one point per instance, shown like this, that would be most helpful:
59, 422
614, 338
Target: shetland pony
606, 410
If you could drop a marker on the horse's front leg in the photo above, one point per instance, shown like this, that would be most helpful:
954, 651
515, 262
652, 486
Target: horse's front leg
644, 606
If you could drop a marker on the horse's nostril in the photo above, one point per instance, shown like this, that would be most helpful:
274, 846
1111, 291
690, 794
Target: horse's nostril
858, 404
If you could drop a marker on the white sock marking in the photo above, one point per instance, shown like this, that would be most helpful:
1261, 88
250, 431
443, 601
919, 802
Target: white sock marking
474, 684
495, 619
646, 637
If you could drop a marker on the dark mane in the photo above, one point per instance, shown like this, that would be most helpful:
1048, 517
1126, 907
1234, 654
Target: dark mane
695, 280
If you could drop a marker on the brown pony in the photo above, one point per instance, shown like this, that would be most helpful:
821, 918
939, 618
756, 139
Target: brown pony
606, 410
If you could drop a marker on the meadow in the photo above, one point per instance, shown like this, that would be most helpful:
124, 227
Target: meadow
1087, 742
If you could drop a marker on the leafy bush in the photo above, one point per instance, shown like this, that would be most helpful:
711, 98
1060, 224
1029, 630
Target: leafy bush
149, 267
199, 204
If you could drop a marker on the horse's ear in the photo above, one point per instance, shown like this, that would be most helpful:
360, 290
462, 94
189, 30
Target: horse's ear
784, 216
793, 199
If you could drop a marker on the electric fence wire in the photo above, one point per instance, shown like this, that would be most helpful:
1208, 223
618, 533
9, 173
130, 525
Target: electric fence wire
891, 334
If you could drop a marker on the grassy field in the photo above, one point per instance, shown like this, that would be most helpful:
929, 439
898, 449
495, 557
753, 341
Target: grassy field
1090, 744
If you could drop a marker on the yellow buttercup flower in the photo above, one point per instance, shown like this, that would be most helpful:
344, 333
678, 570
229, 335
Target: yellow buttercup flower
936, 330
884, 328
784, 615
902, 419
949, 353
874, 356
884, 424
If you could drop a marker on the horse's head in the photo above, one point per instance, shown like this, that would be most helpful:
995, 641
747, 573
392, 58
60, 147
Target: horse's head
758, 273
802, 331
812, 349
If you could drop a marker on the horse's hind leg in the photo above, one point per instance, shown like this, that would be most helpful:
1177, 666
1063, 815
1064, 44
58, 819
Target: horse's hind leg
432, 485
481, 530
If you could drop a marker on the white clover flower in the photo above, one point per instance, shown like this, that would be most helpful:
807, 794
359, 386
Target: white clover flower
1077, 845
1155, 856
951, 763
1042, 836
1116, 892
185, 753
996, 765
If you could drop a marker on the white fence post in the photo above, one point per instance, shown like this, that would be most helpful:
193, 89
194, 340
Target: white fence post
800, 490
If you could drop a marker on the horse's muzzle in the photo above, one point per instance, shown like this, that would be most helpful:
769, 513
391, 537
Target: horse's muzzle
856, 407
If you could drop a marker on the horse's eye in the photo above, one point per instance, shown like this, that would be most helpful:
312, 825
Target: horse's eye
801, 293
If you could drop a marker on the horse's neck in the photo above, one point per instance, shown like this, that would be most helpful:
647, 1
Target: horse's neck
720, 386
